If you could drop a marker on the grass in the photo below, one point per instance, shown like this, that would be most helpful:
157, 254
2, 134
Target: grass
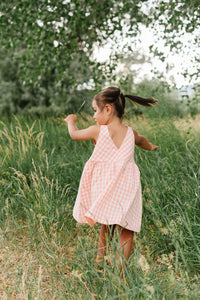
45, 254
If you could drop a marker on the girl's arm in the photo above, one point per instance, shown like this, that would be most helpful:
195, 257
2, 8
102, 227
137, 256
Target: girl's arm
142, 142
91, 132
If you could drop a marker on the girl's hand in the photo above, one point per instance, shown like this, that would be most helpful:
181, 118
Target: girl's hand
72, 118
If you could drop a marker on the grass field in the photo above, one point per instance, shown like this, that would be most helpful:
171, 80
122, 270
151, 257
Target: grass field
45, 254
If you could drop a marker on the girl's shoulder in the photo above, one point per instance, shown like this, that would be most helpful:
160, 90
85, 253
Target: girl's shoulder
138, 138
94, 131
135, 133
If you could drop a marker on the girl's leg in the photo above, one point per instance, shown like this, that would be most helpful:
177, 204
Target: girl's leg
126, 242
125, 246
105, 232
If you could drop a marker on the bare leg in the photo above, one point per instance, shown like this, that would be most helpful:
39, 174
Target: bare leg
126, 242
105, 232
125, 246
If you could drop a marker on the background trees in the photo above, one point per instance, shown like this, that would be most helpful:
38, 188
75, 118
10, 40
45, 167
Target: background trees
179, 23
47, 46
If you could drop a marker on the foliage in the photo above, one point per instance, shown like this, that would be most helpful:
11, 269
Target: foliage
47, 46
194, 102
177, 20
51, 43
181, 15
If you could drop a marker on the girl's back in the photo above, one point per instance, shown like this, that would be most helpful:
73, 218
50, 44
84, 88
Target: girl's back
117, 133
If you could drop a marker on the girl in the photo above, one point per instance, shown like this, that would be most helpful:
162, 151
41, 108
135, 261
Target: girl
110, 190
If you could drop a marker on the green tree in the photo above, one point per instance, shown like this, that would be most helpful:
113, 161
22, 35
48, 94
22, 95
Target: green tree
51, 43
46, 36
177, 23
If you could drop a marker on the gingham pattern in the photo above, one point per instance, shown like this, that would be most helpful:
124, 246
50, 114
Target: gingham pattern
110, 189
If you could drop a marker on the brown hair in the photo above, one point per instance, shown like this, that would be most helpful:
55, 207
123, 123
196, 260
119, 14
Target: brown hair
113, 95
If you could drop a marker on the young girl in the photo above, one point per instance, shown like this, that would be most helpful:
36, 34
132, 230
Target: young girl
110, 190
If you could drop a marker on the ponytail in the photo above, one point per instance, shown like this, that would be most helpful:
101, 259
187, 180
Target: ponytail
113, 95
142, 101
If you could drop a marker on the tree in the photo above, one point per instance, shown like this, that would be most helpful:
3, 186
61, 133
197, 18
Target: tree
51, 42
174, 22
46, 36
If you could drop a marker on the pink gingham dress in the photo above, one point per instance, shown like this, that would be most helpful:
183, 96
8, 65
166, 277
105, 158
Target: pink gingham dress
110, 188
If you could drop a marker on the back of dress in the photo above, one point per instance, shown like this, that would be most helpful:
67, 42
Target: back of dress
110, 189
106, 150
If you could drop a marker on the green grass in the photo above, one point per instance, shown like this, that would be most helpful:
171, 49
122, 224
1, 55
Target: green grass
45, 254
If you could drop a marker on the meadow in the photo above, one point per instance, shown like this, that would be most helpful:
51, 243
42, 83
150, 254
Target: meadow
45, 254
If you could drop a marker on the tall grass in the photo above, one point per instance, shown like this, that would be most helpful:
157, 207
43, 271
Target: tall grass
46, 254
